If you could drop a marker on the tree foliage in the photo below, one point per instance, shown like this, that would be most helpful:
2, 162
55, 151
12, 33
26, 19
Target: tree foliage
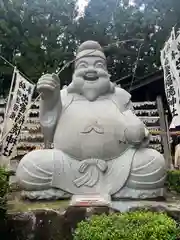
119, 20
39, 36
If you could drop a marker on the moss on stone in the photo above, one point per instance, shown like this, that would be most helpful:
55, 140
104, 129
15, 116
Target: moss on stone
18, 205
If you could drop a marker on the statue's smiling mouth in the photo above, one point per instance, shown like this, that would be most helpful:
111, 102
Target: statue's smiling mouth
91, 76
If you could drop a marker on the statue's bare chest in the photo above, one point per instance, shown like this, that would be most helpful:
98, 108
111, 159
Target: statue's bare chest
85, 110
91, 129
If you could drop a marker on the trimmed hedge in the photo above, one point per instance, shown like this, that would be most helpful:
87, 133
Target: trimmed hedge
173, 180
128, 226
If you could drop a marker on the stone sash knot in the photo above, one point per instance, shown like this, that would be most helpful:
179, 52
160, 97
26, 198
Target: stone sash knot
91, 169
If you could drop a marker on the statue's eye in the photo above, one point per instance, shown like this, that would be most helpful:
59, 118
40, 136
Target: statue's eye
82, 65
100, 65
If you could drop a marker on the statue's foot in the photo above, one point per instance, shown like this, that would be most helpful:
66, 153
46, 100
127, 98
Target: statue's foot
35, 171
147, 177
50, 194
35, 174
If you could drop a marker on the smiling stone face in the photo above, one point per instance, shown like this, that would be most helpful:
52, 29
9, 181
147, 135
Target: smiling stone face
91, 68
91, 78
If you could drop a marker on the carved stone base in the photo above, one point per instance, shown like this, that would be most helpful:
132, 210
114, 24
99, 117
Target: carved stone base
50, 194
138, 205
139, 194
125, 193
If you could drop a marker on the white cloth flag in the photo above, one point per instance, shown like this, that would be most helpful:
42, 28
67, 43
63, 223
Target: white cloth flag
169, 59
22, 96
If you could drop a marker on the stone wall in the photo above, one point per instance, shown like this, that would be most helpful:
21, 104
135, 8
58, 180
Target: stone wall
49, 224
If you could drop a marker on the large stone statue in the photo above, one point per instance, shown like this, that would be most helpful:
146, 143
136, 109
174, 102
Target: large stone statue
99, 143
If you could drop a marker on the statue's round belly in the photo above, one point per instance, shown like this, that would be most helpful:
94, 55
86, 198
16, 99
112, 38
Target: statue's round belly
78, 138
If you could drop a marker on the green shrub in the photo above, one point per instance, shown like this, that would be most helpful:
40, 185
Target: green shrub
4, 187
128, 226
173, 180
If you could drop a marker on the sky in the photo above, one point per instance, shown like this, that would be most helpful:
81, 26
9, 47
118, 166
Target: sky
82, 4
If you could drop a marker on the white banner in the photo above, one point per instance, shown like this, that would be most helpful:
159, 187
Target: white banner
170, 60
174, 59
22, 95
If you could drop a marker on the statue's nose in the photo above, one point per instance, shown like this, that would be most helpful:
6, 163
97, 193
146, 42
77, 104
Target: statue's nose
91, 75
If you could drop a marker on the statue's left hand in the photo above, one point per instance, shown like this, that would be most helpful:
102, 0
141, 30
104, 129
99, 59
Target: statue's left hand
135, 135
135, 132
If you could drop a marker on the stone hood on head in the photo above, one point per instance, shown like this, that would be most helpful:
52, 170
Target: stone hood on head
90, 48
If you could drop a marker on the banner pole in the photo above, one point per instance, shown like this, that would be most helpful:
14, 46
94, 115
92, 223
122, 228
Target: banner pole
10, 91
8, 101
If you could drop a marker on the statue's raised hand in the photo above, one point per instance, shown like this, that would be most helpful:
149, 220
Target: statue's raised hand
48, 84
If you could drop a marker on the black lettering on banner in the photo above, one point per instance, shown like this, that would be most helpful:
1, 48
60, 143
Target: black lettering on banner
18, 100
174, 112
17, 117
11, 139
6, 152
15, 107
178, 64
167, 70
170, 91
172, 101
24, 98
19, 93
15, 129
178, 46
12, 115
21, 120
29, 90
169, 81
23, 106
173, 55
10, 152
22, 85
168, 47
